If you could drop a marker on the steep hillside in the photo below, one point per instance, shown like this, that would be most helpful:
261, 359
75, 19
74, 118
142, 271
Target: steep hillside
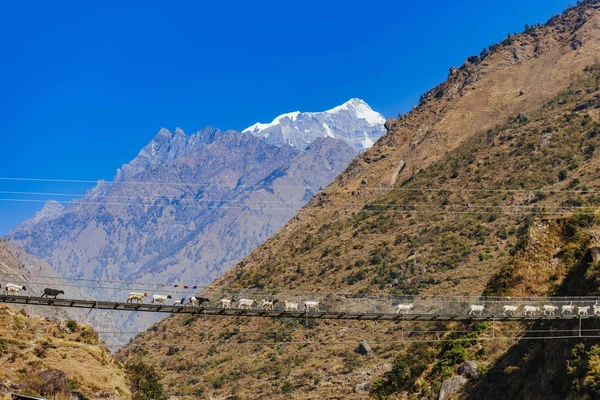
457, 189
44, 347
53, 358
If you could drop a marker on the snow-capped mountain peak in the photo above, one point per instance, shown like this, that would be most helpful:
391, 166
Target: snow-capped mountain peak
361, 110
353, 122
258, 127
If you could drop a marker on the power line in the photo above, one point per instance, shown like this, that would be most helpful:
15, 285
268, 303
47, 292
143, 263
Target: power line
311, 342
354, 343
327, 343
183, 291
149, 205
411, 333
387, 189
153, 183
147, 197
533, 211
103, 280
191, 200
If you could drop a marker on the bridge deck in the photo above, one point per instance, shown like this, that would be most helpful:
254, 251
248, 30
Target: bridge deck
236, 312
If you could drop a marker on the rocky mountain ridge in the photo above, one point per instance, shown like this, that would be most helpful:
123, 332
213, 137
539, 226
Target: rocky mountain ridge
186, 208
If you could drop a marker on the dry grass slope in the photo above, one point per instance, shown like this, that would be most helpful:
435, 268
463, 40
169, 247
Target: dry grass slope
517, 133
30, 345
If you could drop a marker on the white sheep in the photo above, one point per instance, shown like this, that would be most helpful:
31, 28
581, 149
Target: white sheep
583, 310
225, 303
510, 309
160, 298
402, 308
138, 297
567, 309
268, 304
596, 309
549, 309
11, 288
530, 310
291, 306
246, 303
179, 302
476, 309
311, 305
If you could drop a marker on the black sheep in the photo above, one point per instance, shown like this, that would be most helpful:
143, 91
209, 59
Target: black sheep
52, 292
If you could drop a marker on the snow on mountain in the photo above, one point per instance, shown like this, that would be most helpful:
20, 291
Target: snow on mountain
353, 122
257, 127
361, 110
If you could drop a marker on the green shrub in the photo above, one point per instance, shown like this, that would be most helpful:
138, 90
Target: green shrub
144, 382
287, 387
522, 118
502, 233
574, 183
88, 336
562, 175
485, 256
72, 325
172, 350
39, 352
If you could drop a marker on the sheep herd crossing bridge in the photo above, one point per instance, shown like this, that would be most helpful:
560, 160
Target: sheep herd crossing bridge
360, 307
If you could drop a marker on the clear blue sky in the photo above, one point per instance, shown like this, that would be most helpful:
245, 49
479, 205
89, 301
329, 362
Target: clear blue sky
86, 84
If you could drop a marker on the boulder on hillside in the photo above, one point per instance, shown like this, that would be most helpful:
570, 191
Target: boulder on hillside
53, 382
451, 386
468, 369
362, 387
363, 348
594, 244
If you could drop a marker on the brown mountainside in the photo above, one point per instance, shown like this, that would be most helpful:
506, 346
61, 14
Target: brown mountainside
33, 347
488, 186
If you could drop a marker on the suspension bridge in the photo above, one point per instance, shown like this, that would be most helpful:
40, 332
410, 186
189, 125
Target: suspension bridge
366, 309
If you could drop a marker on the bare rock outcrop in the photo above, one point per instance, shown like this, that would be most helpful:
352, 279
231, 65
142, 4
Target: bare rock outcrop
53, 382
451, 386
